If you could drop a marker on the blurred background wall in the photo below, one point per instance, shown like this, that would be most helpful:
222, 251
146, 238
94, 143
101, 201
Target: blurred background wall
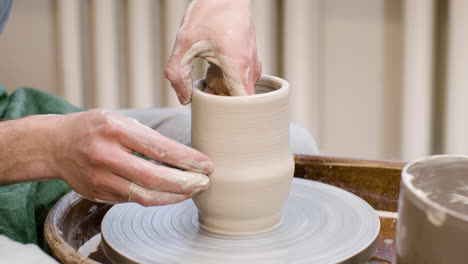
385, 79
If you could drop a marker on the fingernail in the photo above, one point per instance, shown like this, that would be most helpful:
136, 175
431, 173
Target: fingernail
199, 189
185, 100
195, 191
206, 166
179, 95
203, 182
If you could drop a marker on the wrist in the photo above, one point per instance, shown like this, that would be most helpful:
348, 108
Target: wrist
27, 149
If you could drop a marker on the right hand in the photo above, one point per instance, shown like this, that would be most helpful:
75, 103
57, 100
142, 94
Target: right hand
94, 155
221, 32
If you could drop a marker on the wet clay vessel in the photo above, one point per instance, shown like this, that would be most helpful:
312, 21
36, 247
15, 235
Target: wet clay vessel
247, 138
433, 211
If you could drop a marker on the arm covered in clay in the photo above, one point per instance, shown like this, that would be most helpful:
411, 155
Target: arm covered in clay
93, 152
223, 33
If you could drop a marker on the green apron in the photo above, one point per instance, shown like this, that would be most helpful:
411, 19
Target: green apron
24, 206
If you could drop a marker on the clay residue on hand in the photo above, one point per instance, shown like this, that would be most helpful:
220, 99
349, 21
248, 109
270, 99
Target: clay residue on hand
220, 83
221, 77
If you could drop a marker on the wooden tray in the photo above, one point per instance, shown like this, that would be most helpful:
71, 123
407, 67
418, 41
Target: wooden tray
74, 220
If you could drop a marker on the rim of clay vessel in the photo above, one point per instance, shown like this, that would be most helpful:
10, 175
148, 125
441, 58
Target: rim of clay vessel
408, 177
279, 86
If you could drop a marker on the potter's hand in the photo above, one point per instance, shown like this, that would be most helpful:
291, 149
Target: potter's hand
222, 32
94, 155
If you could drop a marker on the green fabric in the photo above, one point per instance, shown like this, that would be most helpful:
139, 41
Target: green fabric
24, 206
27, 101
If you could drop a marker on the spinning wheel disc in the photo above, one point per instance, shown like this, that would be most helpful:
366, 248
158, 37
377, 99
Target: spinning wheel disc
321, 224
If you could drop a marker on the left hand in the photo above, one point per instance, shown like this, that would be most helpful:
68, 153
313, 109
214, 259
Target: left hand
93, 151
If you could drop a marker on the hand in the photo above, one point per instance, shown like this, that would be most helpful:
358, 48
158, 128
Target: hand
94, 155
223, 33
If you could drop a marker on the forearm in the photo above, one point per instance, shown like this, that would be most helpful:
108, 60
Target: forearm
26, 149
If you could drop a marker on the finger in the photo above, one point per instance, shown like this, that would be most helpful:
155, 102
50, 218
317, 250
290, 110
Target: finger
180, 66
147, 197
155, 146
249, 81
108, 188
115, 189
157, 177
224, 76
250, 71
179, 70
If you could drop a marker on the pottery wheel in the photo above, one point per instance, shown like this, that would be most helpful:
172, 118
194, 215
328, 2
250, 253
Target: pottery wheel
321, 224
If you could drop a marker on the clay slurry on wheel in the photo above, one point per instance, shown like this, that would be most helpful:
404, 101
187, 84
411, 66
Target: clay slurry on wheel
321, 224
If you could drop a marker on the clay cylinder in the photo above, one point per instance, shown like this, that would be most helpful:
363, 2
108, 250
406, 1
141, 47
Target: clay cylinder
247, 138
433, 211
